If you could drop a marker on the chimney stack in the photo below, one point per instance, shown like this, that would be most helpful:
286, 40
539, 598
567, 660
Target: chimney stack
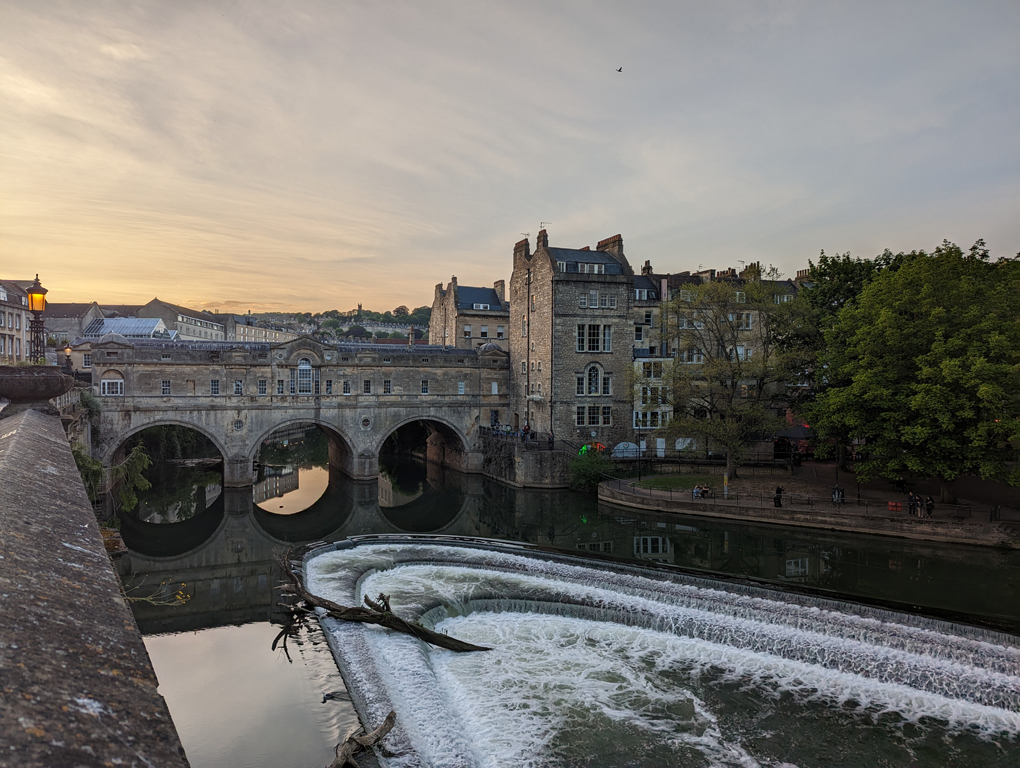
647, 268
500, 288
542, 241
613, 245
522, 248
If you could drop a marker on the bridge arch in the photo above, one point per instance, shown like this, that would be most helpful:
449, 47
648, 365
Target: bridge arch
162, 421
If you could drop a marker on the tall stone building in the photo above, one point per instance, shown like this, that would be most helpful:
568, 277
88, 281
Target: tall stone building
467, 317
572, 340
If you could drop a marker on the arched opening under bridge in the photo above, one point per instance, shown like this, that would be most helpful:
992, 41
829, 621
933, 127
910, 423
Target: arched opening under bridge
299, 465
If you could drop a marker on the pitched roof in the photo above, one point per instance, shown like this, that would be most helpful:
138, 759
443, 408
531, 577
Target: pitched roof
574, 256
467, 297
129, 327
67, 309
122, 310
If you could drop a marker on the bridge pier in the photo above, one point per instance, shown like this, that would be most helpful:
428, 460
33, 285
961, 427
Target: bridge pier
238, 471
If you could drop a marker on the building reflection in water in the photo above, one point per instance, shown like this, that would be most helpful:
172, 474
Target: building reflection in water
225, 553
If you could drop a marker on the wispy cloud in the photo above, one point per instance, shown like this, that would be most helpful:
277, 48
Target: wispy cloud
317, 155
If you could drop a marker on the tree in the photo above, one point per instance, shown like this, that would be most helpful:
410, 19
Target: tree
728, 378
401, 311
924, 369
587, 469
357, 332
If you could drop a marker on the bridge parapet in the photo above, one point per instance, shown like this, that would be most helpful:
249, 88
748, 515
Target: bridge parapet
238, 394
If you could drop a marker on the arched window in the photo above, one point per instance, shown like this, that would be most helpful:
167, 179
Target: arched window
304, 376
594, 380
111, 385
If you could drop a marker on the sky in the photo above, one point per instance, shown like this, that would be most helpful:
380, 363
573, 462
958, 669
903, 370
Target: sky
308, 156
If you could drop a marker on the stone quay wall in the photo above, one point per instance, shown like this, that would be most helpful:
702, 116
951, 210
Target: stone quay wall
78, 688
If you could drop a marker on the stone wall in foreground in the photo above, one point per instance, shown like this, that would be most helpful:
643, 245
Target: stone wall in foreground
77, 684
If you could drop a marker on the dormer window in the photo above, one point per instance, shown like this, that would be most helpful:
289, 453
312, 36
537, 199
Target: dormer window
592, 269
480, 306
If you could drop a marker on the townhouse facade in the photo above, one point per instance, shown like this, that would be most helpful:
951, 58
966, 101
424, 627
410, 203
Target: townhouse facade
14, 322
466, 316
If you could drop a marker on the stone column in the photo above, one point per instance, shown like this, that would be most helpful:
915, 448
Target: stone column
237, 471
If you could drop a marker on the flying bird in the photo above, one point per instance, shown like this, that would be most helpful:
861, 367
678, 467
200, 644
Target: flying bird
620, 69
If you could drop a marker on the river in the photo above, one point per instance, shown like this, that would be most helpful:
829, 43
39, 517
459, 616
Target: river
237, 702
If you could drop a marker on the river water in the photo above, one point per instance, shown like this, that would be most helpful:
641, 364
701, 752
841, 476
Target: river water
237, 702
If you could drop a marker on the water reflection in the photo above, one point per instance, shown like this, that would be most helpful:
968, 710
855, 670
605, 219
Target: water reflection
231, 543
293, 470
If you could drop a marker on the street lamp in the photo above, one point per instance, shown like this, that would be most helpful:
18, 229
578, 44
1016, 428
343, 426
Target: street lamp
67, 359
37, 305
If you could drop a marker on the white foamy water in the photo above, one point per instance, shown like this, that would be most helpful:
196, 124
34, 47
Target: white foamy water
597, 667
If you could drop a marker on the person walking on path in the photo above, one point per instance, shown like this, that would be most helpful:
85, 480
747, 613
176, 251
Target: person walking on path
929, 506
912, 504
778, 499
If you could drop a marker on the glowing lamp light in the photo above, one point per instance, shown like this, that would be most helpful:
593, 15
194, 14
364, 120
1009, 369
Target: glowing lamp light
37, 296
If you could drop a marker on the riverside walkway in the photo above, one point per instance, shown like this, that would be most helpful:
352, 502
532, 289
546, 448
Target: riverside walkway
962, 524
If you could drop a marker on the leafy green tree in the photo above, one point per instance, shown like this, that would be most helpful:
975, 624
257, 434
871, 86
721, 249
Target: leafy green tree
130, 476
924, 368
401, 311
587, 469
91, 471
727, 381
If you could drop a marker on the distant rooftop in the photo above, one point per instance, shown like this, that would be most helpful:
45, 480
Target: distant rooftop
129, 328
467, 297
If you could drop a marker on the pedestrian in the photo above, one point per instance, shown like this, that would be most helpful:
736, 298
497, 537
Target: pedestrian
552, 441
912, 504
929, 506
778, 499
527, 430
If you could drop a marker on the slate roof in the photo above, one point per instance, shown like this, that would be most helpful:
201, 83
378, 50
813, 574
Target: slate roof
643, 281
123, 310
467, 297
574, 256
67, 309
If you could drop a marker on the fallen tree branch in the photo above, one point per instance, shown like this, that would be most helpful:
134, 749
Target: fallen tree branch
354, 742
378, 612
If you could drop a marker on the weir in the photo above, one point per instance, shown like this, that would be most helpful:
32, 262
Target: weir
616, 661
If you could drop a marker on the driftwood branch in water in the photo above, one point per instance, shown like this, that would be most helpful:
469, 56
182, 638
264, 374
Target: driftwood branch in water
354, 743
378, 612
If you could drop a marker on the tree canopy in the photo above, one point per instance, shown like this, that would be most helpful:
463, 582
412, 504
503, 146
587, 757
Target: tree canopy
727, 380
923, 367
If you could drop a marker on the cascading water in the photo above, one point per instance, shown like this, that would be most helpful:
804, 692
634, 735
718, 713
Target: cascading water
619, 665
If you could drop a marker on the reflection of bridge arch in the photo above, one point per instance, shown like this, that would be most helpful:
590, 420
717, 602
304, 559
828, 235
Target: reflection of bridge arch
435, 511
169, 540
326, 516
331, 430
113, 447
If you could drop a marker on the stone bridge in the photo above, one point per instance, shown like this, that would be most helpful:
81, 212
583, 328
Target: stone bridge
238, 394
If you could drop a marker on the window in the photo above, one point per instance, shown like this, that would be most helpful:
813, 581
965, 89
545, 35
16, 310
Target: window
594, 380
329, 387
651, 545
648, 317
604, 301
112, 387
279, 386
593, 299
524, 367
580, 386
539, 388
264, 387
214, 386
164, 356
347, 387
467, 331
304, 376
607, 338
500, 331
524, 326
607, 384
86, 360
460, 387
112, 354
594, 338
641, 294
582, 301
739, 297
743, 353
639, 333
484, 332
533, 366
691, 356
17, 322
797, 567
561, 266
593, 415
366, 386
651, 370
424, 386
164, 387
607, 415
480, 306
782, 298
387, 387
612, 302
495, 387
685, 295
238, 387
579, 416
539, 366
424, 359
532, 302
592, 269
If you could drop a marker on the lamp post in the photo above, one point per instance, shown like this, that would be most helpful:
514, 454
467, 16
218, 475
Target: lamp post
67, 359
37, 305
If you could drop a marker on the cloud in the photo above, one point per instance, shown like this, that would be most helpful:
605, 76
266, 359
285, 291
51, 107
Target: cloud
321, 155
